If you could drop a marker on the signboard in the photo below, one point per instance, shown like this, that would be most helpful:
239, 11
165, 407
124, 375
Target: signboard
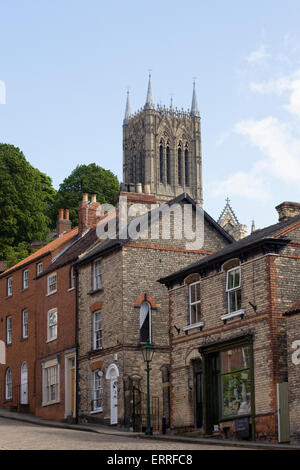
242, 428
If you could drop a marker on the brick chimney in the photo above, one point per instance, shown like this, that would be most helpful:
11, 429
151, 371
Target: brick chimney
88, 212
286, 210
63, 224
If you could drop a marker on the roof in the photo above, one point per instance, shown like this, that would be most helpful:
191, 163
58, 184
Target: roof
71, 252
110, 244
49, 248
268, 234
295, 308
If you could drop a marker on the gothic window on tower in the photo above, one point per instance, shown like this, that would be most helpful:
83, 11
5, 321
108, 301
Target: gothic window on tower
179, 165
161, 161
186, 163
168, 164
145, 322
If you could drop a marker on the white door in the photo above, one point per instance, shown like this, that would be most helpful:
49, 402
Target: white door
24, 384
113, 401
112, 375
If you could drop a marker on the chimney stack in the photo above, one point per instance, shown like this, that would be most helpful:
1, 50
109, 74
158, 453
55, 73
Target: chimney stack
88, 212
63, 224
286, 210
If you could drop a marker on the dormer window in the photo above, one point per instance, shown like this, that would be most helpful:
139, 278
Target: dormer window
233, 288
51, 284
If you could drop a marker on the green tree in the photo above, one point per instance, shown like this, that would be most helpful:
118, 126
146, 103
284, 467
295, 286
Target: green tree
25, 203
85, 178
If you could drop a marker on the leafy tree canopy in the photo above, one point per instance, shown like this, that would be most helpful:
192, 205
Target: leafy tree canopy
85, 178
26, 199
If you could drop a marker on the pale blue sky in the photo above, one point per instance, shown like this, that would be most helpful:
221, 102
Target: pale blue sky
67, 63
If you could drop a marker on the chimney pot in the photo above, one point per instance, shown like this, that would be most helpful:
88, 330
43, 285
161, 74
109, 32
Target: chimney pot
85, 197
67, 214
60, 214
139, 188
147, 189
94, 198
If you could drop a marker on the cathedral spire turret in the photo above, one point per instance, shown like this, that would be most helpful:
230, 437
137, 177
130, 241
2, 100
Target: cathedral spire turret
149, 100
194, 107
127, 110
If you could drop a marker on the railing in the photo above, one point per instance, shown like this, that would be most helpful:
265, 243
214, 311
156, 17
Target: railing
139, 411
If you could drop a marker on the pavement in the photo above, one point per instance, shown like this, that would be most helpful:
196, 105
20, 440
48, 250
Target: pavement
168, 438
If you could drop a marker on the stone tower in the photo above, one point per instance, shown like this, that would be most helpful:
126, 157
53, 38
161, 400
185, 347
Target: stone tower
162, 150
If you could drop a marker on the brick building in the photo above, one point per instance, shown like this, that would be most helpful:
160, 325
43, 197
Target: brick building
18, 306
228, 346
38, 301
120, 307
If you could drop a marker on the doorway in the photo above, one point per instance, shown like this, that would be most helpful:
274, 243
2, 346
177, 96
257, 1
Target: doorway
24, 385
112, 375
70, 386
198, 381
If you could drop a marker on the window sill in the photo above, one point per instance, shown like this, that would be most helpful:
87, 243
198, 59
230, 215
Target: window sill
240, 313
100, 410
50, 340
199, 324
24, 289
8, 297
24, 338
71, 288
51, 293
51, 403
91, 292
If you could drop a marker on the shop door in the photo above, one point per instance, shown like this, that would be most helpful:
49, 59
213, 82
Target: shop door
212, 391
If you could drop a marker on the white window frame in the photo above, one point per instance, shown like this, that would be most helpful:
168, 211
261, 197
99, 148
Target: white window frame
25, 279
97, 284
9, 329
9, 287
50, 289
8, 385
24, 323
53, 327
150, 320
233, 289
97, 392
72, 278
47, 367
197, 302
97, 328
39, 268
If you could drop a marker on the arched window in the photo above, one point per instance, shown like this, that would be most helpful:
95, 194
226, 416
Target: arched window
161, 162
186, 164
145, 322
168, 164
8, 385
179, 165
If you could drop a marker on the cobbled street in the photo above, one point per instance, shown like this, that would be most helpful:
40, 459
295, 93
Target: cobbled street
16, 435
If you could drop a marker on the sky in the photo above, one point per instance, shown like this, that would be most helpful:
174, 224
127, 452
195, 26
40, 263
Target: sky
65, 66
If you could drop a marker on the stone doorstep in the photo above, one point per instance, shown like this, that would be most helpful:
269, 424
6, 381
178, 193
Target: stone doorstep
102, 429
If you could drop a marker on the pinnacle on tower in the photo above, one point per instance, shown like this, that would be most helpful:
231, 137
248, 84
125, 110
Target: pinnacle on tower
149, 100
127, 110
194, 107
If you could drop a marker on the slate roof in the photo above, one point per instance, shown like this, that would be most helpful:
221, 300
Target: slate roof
110, 244
267, 234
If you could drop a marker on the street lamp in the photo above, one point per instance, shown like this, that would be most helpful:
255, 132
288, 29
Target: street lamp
148, 351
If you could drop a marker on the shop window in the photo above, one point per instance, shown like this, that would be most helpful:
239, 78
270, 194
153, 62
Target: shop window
235, 381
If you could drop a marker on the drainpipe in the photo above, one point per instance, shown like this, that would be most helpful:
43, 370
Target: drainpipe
76, 345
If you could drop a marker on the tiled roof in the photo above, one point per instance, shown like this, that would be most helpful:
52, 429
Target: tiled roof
71, 252
267, 233
49, 248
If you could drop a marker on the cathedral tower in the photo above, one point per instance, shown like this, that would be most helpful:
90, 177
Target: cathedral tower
162, 150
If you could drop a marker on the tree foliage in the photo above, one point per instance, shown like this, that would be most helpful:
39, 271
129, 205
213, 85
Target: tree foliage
26, 199
85, 178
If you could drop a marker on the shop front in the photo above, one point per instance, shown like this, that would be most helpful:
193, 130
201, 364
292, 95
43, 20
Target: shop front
228, 388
